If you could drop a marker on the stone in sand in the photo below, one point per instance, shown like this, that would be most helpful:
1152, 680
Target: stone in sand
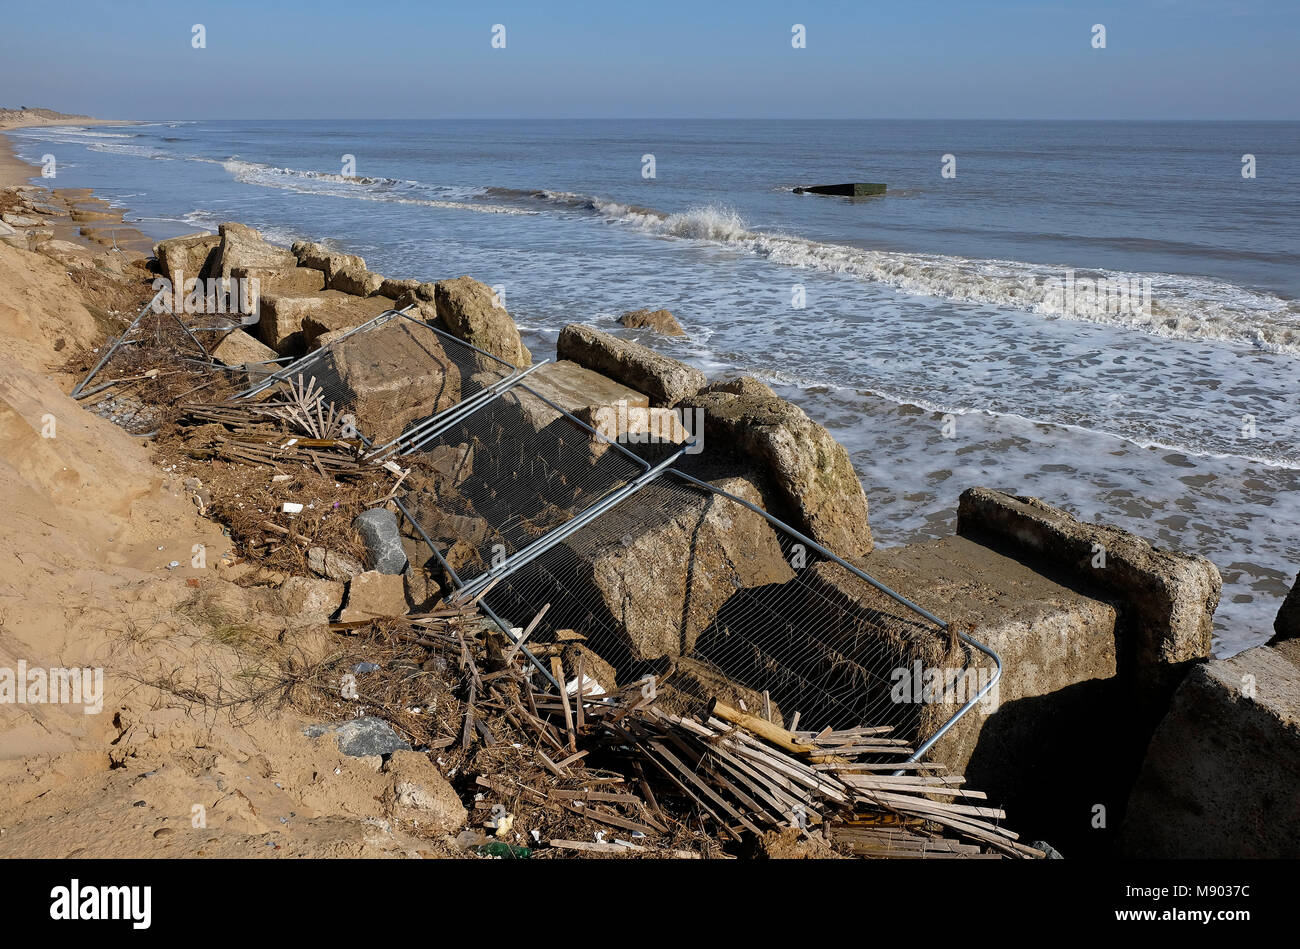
419, 787
659, 605
374, 595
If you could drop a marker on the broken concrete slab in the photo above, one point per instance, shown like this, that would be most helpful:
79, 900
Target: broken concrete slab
339, 311
471, 311
244, 248
319, 257
193, 255
332, 564
238, 348
398, 373
665, 380
290, 280
659, 606
812, 473
374, 595
1060, 701
1167, 598
1220, 777
356, 281
310, 601
420, 788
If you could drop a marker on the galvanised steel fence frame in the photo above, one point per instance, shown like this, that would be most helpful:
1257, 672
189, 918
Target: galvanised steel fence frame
531, 575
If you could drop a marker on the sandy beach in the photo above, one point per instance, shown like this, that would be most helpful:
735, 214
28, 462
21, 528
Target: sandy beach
14, 171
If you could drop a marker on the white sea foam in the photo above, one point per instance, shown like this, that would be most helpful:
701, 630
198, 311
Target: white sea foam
1182, 307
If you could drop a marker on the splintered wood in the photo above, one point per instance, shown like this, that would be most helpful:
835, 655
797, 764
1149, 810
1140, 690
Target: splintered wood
741, 775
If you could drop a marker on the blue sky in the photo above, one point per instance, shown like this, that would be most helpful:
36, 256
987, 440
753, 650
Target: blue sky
1171, 59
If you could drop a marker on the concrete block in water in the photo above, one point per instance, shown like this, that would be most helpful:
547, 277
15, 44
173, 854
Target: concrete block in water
853, 189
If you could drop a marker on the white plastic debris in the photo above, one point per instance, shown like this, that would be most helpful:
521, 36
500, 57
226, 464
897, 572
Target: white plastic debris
292, 507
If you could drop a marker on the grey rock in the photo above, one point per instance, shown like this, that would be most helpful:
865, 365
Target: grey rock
383, 540
367, 736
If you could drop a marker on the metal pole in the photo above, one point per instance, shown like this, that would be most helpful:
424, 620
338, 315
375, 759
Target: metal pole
898, 597
451, 415
549, 540
118, 342
505, 627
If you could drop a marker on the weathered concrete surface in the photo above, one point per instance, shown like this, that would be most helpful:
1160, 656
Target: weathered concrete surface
293, 323
339, 311
356, 280
471, 311
398, 374
374, 595
319, 257
818, 488
333, 565
237, 348
290, 280
574, 388
657, 606
244, 248
192, 255
1287, 624
665, 380
661, 321
1058, 711
1221, 775
1167, 600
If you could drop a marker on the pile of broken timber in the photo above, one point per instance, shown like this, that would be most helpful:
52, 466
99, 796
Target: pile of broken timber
750, 775
257, 435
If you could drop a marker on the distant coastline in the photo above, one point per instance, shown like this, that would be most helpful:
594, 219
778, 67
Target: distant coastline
13, 170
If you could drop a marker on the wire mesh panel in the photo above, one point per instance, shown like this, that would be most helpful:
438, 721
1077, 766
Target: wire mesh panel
134, 372
386, 378
507, 474
716, 601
